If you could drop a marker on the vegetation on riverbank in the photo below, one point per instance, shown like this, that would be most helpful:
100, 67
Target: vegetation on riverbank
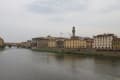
81, 53
2, 47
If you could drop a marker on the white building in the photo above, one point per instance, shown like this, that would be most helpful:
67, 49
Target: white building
103, 41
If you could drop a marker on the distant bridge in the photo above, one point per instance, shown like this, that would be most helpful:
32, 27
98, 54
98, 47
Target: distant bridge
11, 44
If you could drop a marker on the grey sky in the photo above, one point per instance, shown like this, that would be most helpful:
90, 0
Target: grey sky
21, 20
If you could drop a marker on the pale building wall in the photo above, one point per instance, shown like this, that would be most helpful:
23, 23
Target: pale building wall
103, 41
52, 43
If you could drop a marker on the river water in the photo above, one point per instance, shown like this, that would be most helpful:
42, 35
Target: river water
24, 64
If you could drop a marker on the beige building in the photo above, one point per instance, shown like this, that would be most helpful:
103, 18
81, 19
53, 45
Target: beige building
52, 43
89, 42
75, 43
41, 42
22, 44
103, 41
56, 42
1, 43
26, 44
116, 44
29, 43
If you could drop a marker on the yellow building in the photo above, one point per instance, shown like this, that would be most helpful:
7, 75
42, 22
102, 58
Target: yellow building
116, 44
39, 42
75, 43
1, 43
56, 42
52, 43
89, 42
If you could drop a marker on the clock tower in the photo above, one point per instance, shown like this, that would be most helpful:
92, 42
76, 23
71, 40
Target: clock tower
73, 32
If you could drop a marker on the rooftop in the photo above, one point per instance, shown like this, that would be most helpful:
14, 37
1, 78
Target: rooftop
103, 35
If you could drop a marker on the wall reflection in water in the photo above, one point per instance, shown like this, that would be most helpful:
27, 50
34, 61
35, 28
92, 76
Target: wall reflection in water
22, 64
98, 68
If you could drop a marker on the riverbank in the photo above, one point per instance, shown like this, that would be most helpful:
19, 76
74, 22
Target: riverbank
1, 47
81, 52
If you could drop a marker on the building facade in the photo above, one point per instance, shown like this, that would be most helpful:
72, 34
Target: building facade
56, 42
75, 43
60, 42
26, 44
89, 42
116, 44
103, 41
29, 44
52, 43
41, 42
1, 43
34, 43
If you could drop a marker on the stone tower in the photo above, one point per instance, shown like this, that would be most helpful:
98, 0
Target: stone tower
73, 31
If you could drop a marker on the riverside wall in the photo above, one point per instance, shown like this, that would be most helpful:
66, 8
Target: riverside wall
84, 52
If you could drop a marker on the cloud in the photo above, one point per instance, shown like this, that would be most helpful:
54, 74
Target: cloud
57, 6
24, 19
103, 5
63, 10
66, 6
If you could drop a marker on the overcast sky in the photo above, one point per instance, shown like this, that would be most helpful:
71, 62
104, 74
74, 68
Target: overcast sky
21, 20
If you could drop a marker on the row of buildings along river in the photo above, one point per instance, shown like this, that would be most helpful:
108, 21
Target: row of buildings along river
109, 42
1, 43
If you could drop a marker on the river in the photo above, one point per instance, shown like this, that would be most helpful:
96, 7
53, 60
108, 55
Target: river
25, 64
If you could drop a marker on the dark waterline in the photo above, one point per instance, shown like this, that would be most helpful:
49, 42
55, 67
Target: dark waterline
23, 64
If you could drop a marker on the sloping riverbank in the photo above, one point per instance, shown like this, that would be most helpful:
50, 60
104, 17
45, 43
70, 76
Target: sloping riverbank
82, 52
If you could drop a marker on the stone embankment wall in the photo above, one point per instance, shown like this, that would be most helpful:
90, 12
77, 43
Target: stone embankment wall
85, 52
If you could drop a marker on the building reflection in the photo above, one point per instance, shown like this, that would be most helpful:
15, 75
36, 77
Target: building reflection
107, 68
69, 62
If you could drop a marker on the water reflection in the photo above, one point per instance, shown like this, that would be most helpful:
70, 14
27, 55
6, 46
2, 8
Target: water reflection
22, 64
101, 68
108, 68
